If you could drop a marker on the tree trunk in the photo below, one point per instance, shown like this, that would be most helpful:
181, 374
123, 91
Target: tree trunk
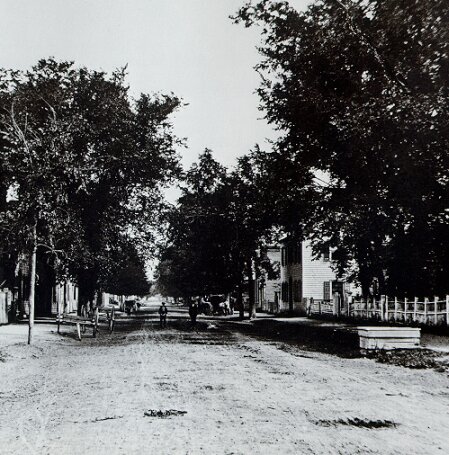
32, 284
251, 294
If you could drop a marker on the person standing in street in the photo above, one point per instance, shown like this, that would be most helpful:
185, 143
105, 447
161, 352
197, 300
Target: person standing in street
193, 312
163, 315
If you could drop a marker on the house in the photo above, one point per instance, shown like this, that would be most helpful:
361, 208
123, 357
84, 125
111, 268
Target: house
51, 295
304, 277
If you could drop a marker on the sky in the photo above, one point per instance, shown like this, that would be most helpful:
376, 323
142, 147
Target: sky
188, 47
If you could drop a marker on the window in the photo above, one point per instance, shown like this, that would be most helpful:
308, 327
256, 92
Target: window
327, 290
291, 254
327, 255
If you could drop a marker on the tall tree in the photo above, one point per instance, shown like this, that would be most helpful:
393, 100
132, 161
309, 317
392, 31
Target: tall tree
216, 230
86, 164
37, 162
196, 254
358, 91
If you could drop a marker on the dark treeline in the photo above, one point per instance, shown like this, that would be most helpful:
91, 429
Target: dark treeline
358, 90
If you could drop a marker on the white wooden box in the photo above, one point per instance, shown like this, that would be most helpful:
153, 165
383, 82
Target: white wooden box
389, 337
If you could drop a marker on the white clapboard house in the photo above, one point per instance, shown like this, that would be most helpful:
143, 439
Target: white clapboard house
304, 277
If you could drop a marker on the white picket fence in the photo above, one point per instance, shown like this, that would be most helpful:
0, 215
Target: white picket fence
426, 311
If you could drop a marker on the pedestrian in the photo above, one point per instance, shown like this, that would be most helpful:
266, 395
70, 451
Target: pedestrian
163, 315
193, 312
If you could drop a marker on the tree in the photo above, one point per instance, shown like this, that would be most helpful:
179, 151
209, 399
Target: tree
128, 276
87, 165
216, 230
132, 150
195, 258
37, 163
358, 91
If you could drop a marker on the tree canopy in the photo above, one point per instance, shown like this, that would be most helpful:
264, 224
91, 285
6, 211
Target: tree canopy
358, 90
86, 163
217, 229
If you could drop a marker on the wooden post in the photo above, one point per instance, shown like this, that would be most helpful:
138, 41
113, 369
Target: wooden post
78, 330
382, 307
336, 304
395, 309
435, 309
319, 306
447, 310
59, 315
415, 309
405, 308
426, 302
111, 320
96, 316
387, 316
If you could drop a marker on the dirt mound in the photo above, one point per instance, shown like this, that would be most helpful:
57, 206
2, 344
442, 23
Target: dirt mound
415, 358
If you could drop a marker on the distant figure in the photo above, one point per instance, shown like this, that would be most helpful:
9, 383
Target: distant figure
163, 315
193, 312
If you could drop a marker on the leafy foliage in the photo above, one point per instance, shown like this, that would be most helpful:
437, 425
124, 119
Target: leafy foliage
87, 165
216, 229
128, 276
358, 90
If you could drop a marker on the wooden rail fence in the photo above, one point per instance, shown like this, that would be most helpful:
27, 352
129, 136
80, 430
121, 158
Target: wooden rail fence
428, 311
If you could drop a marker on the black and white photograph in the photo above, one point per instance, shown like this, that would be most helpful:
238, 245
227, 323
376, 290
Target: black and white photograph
224, 227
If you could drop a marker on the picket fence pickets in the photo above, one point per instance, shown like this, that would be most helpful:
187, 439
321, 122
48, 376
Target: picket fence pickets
388, 309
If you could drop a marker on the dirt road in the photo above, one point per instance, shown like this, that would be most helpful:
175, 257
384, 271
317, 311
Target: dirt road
241, 396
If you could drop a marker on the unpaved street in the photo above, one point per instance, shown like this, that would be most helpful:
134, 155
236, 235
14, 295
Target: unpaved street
241, 396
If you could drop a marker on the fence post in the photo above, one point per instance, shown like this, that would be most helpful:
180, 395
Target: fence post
426, 302
447, 310
395, 309
435, 309
319, 306
415, 308
405, 309
387, 318
382, 304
